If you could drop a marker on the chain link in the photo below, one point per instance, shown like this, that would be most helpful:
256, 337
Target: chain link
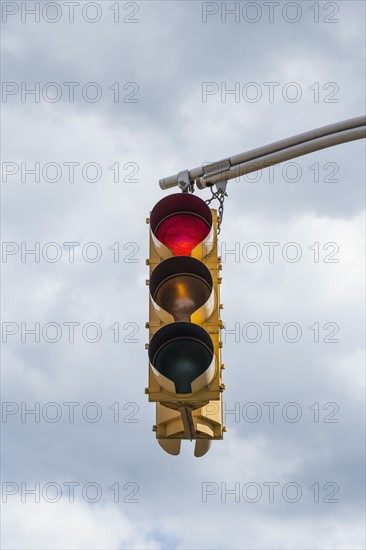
220, 195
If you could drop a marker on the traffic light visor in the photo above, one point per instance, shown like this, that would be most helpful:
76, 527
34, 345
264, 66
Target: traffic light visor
180, 222
182, 286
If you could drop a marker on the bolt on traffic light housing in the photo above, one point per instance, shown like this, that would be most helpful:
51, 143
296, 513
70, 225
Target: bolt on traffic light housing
184, 323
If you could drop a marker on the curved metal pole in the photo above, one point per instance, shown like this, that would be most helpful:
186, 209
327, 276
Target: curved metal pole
282, 155
301, 144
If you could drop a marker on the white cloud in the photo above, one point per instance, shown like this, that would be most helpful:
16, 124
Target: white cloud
62, 525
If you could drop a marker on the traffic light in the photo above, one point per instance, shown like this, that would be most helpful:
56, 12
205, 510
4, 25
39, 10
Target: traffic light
184, 323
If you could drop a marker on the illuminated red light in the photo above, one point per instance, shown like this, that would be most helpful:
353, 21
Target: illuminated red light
182, 232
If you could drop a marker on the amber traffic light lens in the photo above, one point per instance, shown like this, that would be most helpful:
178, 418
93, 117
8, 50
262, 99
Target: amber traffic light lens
182, 295
182, 232
182, 361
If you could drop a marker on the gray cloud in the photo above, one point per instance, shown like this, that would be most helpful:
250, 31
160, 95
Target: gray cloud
170, 53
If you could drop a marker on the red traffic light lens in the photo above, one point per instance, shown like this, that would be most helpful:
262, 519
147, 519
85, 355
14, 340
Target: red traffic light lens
182, 232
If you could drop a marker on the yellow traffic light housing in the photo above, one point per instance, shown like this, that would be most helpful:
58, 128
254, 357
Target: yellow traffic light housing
184, 323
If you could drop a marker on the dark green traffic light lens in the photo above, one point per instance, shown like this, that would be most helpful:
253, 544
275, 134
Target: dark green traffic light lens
181, 355
182, 360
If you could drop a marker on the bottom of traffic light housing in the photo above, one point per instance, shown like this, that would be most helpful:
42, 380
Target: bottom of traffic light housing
202, 425
172, 446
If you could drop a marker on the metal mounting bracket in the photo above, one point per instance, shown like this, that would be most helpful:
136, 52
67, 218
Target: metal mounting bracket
184, 182
221, 186
211, 170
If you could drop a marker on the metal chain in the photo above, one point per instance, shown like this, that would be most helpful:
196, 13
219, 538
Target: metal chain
220, 195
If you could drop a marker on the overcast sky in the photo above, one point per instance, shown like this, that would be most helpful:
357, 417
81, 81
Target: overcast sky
125, 93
